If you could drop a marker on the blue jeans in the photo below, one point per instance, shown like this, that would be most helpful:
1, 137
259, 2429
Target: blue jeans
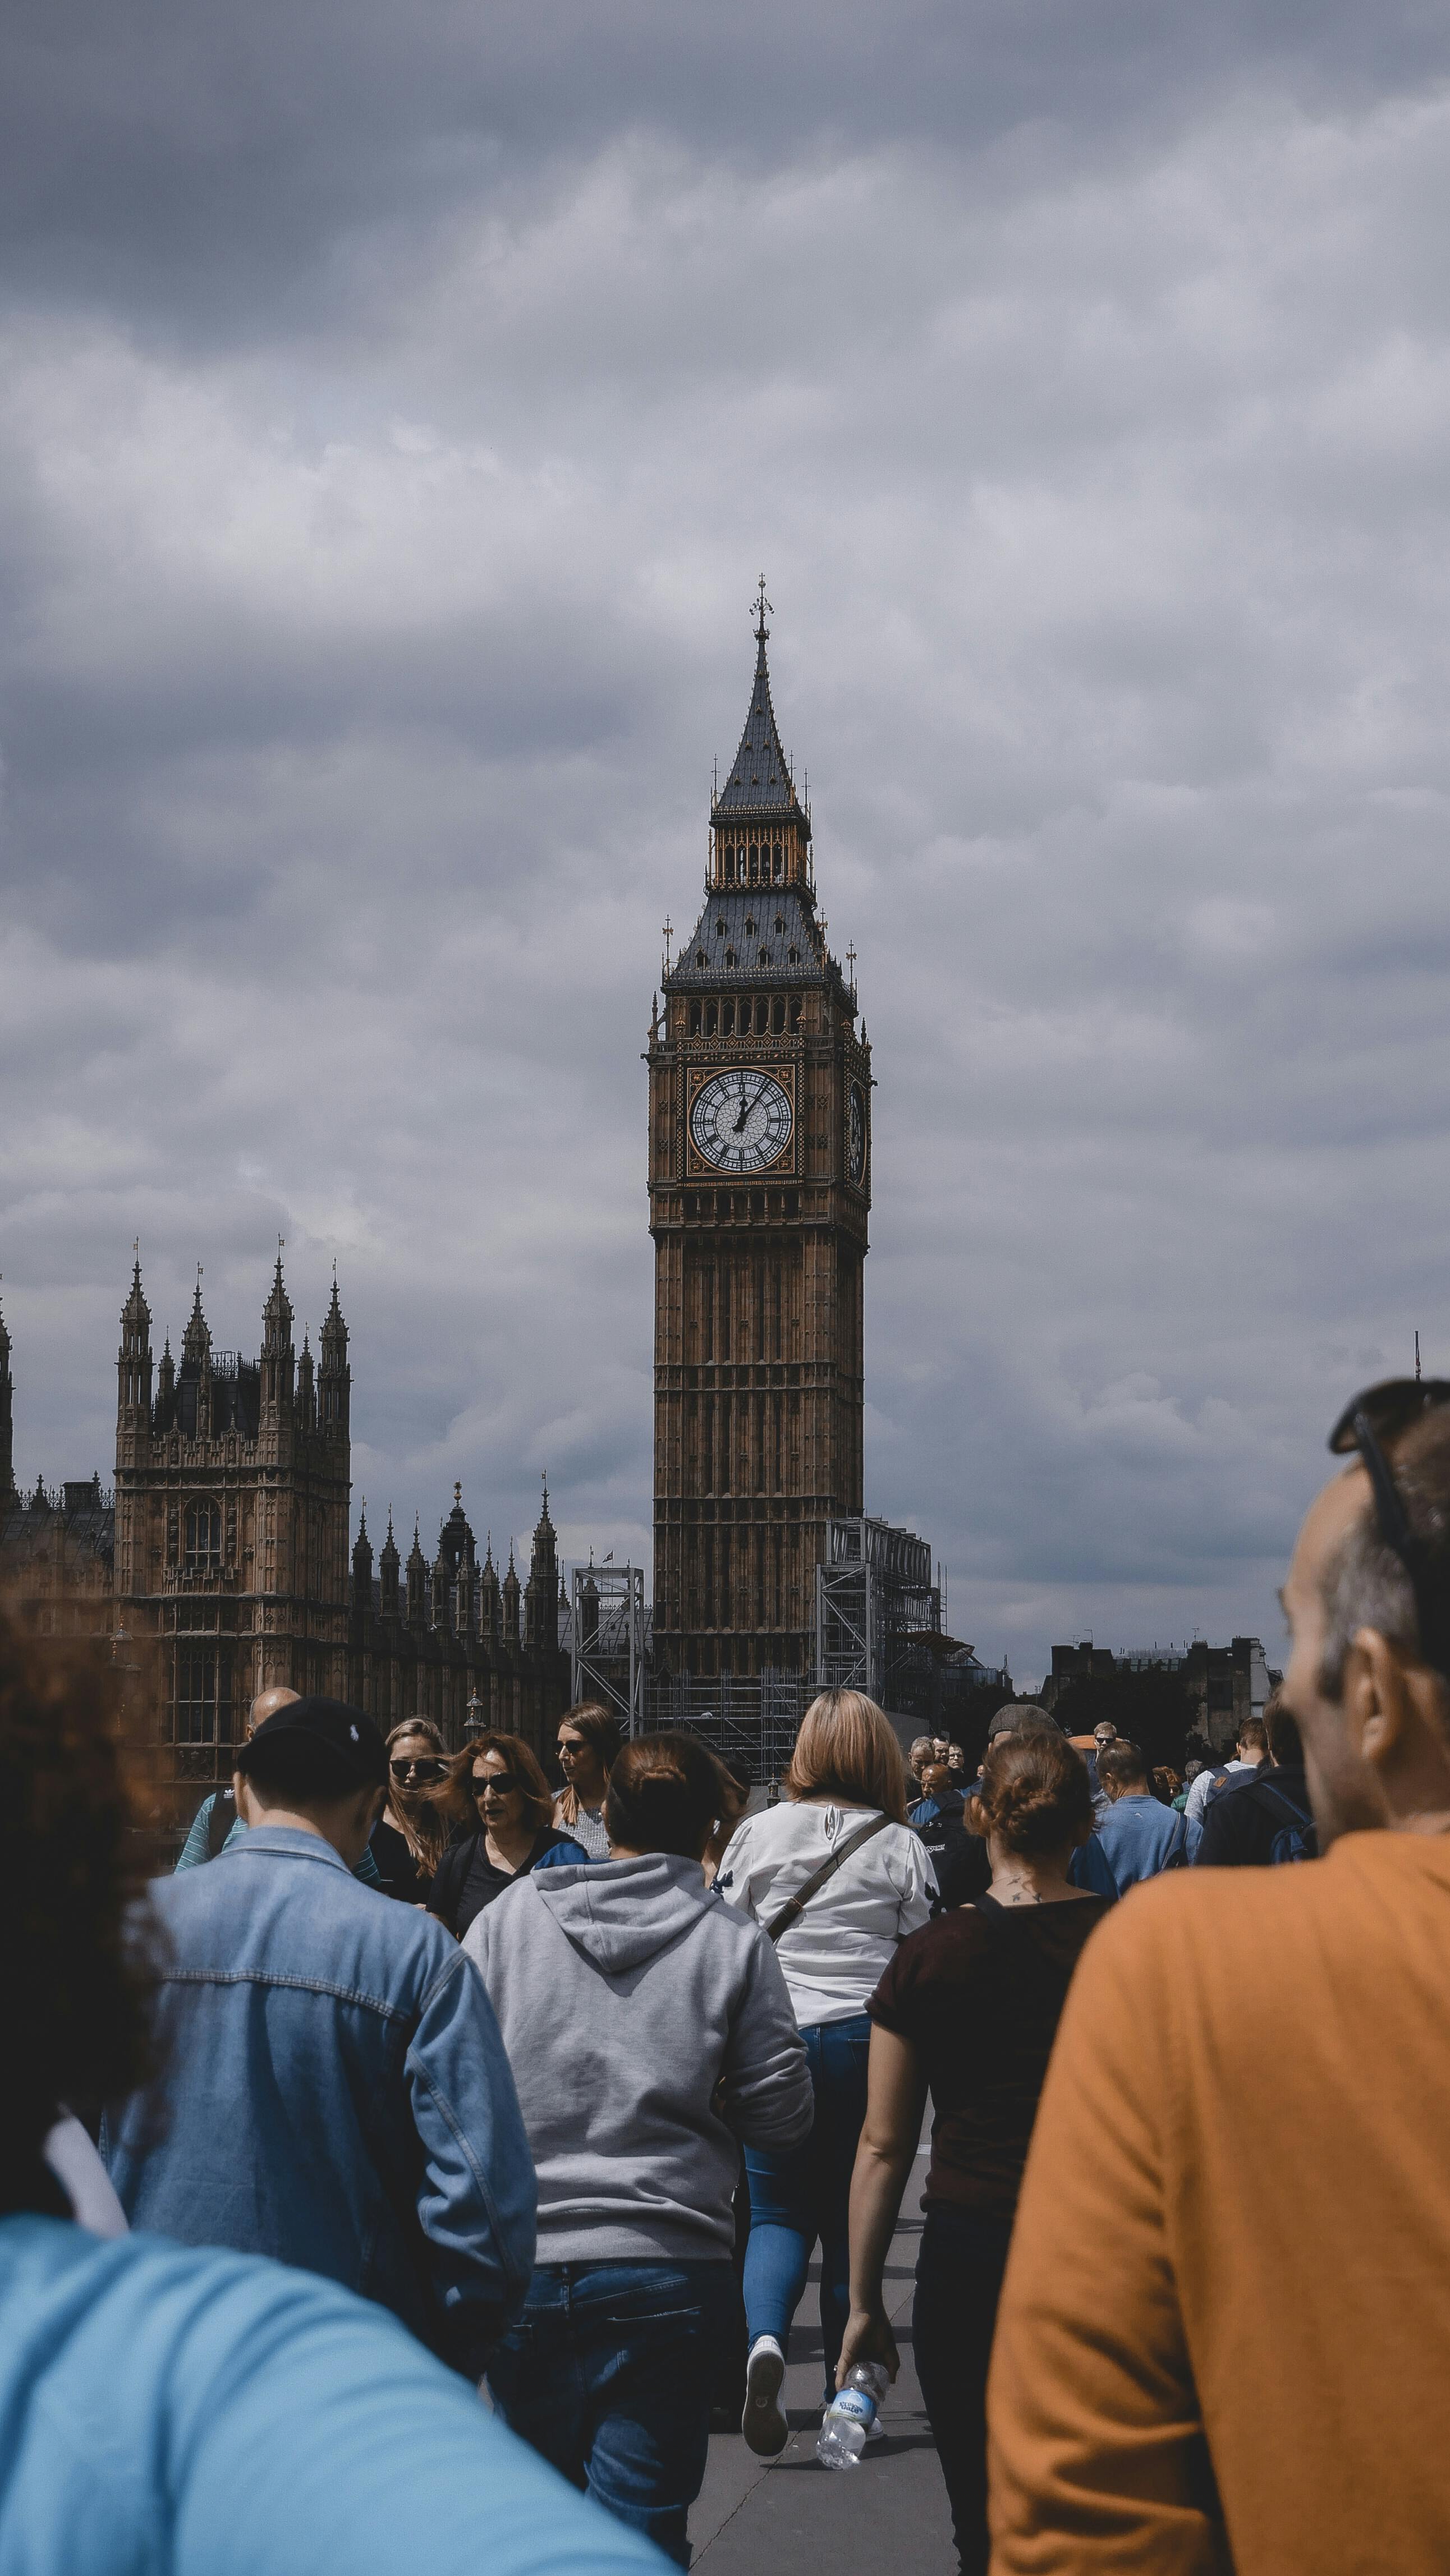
803, 2193
608, 2373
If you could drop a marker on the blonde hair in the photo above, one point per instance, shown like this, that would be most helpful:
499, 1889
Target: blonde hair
426, 1830
848, 1748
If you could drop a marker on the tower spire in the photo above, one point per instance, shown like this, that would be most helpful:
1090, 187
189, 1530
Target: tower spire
196, 1340
334, 1377
760, 829
133, 1360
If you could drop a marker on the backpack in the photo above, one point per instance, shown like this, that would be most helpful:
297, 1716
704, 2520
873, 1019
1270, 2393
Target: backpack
1217, 1783
1295, 1841
220, 1822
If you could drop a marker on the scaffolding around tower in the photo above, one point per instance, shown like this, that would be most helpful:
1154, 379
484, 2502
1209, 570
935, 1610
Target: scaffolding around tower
607, 1640
874, 1597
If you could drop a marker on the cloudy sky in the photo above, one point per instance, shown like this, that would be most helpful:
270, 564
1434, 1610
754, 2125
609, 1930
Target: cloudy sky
397, 405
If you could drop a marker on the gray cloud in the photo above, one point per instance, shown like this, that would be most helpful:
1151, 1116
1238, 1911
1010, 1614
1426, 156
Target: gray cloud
236, 168
390, 433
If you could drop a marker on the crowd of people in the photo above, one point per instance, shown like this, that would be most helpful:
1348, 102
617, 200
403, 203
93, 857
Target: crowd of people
404, 2166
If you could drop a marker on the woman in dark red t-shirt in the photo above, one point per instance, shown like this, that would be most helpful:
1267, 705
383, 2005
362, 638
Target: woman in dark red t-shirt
967, 2011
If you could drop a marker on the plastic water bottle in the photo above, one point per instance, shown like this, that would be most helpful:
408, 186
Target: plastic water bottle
850, 2419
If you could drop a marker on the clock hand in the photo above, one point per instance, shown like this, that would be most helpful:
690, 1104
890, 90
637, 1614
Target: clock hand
746, 1106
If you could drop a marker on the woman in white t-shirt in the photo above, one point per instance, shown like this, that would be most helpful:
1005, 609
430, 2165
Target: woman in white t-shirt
846, 1774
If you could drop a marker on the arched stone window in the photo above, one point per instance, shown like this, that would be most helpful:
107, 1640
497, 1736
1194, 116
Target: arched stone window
203, 1535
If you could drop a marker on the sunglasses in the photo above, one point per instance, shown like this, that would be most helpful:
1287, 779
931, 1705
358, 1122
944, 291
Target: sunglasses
422, 1767
1381, 1413
503, 1781
570, 1744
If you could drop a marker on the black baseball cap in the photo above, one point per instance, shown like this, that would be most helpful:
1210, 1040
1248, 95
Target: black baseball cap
343, 1743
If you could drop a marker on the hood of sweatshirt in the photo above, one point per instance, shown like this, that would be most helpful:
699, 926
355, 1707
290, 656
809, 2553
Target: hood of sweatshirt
620, 1914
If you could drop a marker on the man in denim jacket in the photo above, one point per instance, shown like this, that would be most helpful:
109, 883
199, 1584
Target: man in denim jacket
336, 2092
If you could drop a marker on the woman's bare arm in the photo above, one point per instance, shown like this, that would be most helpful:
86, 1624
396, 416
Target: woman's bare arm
895, 2101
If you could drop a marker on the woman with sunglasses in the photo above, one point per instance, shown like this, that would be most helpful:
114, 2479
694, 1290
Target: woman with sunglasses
412, 1833
512, 1837
589, 1739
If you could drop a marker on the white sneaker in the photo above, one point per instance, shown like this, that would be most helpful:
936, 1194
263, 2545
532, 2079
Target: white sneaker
763, 2423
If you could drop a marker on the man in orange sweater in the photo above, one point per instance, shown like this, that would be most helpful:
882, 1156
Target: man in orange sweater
1224, 2339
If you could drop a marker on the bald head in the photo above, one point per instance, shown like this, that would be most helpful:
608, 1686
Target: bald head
267, 1703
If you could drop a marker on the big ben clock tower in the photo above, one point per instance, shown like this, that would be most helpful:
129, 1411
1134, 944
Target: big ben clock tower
759, 1181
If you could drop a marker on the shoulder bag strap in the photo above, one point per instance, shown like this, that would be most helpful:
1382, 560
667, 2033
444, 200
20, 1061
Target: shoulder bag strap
795, 1906
1286, 1805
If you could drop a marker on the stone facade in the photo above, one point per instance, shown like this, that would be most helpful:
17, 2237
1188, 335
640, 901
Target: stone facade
452, 1642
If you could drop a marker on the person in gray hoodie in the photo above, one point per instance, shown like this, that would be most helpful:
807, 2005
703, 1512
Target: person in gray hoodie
650, 2032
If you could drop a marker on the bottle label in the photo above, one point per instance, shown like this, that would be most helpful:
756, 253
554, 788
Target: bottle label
853, 2406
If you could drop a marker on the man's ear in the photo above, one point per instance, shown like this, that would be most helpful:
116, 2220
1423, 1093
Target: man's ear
242, 1795
1376, 1698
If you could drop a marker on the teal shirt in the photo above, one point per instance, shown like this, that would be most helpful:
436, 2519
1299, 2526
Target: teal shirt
175, 2412
194, 1851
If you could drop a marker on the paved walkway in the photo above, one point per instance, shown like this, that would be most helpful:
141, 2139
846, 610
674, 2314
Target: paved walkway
791, 2517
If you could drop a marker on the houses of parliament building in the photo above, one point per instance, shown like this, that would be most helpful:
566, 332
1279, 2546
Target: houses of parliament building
225, 1550
221, 1563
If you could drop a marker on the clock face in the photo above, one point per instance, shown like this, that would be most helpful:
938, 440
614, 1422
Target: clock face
855, 1133
741, 1121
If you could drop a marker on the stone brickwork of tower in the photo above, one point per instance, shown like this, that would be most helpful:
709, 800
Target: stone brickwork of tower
232, 1520
759, 1181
